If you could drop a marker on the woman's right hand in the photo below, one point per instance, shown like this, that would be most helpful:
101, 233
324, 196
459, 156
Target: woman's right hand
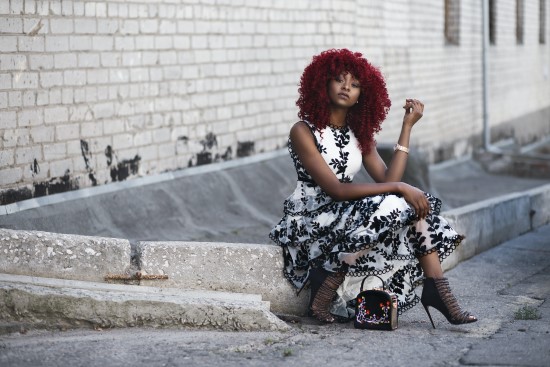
416, 198
414, 110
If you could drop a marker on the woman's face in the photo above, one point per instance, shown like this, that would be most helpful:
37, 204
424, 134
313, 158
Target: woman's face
344, 90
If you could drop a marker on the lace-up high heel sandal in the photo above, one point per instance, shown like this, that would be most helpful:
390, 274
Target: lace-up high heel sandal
437, 294
323, 289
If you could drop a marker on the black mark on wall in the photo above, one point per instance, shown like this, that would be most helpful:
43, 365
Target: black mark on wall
109, 152
204, 158
125, 168
121, 170
92, 178
227, 155
52, 186
35, 168
209, 144
87, 155
56, 185
245, 148
14, 195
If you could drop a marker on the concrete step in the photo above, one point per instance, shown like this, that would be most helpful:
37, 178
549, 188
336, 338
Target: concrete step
230, 267
53, 303
64, 256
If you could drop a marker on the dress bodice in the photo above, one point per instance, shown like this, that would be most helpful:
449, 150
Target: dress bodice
340, 150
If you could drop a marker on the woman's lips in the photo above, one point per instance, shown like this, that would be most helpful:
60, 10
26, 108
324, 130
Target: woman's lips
343, 95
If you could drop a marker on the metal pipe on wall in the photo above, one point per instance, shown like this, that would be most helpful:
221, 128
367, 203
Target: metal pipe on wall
485, 91
485, 78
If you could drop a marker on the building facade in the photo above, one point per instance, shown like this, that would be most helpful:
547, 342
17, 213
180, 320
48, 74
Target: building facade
93, 92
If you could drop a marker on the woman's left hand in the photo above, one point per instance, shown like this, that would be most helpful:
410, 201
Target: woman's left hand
414, 109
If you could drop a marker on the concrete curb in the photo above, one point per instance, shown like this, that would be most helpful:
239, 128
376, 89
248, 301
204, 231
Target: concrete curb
540, 206
488, 223
64, 256
55, 303
231, 267
491, 222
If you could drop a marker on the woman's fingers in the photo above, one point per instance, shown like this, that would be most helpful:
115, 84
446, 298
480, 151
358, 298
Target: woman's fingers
421, 211
418, 201
425, 207
418, 106
422, 207
414, 106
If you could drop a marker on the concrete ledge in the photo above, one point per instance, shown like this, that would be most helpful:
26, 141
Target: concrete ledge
489, 223
54, 303
63, 256
231, 267
540, 206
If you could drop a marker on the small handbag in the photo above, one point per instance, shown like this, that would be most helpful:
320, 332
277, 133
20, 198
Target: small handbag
375, 308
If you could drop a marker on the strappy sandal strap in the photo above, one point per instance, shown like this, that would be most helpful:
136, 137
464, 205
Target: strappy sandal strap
321, 303
455, 312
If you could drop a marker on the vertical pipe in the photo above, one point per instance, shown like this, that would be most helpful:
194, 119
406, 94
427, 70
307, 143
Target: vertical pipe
485, 84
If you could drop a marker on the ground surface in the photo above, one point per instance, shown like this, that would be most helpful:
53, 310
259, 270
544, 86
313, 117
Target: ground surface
493, 285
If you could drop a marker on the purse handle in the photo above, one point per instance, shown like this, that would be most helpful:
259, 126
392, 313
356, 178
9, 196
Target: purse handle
365, 278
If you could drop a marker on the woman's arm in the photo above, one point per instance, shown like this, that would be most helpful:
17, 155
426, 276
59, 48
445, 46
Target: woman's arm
304, 146
372, 161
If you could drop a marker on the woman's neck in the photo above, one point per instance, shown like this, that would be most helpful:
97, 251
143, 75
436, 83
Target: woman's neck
338, 116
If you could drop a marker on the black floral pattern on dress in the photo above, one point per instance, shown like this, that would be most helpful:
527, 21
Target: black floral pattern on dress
381, 230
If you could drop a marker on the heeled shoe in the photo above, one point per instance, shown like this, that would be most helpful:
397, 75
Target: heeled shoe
323, 288
437, 294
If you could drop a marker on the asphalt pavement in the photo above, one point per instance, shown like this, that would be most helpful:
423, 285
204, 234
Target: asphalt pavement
507, 288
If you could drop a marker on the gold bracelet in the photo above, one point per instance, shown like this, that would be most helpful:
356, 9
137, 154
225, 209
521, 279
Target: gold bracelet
401, 148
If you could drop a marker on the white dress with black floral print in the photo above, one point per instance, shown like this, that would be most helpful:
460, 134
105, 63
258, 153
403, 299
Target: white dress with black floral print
376, 235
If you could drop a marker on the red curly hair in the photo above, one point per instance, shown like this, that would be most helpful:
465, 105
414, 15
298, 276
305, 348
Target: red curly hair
365, 117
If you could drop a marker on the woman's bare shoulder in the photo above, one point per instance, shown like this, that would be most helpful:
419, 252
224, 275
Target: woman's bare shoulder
301, 134
300, 128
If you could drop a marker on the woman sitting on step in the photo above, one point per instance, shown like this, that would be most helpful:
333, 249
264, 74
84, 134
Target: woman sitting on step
334, 232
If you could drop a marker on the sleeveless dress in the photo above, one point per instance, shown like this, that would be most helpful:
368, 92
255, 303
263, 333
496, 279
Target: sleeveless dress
375, 235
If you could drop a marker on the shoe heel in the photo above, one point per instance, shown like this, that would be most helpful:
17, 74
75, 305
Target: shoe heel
437, 294
430, 316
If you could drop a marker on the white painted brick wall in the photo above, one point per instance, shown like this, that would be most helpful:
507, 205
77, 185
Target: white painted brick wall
154, 77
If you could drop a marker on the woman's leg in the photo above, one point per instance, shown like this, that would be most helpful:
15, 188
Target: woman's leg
323, 289
431, 266
437, 293
430, 263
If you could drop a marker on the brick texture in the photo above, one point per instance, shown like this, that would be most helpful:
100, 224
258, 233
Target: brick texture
98, 88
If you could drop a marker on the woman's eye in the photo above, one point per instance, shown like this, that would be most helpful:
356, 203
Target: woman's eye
356, 86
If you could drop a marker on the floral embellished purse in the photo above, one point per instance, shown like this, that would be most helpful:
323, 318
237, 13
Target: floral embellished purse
375, 308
